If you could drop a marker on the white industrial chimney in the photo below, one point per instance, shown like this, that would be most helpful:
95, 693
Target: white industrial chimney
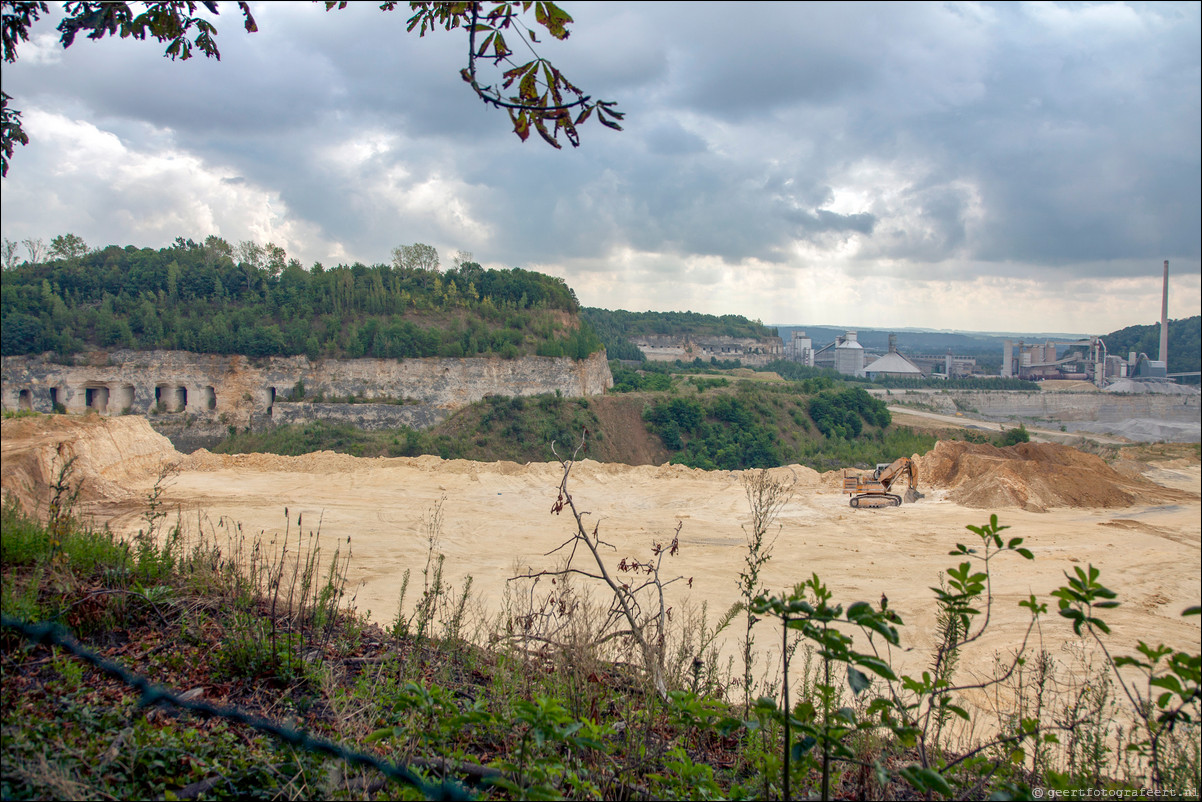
1164, 319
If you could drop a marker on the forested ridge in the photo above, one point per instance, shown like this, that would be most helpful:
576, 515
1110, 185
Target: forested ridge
1185, 343
615, 327
211, 297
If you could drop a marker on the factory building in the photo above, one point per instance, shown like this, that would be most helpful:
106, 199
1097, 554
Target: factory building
800, 349
849, 355
1083, 359
949, 365
893, 365
1087, 359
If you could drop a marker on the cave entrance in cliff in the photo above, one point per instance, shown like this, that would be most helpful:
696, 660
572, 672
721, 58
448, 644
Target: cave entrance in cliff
25, 400
208, 398
96, 398
170, 399
54, 399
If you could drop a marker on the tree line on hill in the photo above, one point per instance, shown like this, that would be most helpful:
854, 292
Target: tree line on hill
616, 328
214, 297
1185, 344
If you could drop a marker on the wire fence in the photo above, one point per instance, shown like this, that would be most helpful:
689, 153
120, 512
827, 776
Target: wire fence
54, 635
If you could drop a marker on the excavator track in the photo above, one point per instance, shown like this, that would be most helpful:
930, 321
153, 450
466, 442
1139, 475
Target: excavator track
875, 501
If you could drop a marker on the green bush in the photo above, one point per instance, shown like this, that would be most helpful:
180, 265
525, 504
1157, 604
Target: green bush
1012, 437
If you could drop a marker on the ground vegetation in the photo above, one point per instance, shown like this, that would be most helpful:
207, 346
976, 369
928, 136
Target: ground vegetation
268, 683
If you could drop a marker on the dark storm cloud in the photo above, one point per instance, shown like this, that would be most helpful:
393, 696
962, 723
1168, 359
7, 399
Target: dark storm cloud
1056, 140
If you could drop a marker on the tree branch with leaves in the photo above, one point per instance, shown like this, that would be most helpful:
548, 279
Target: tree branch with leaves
174, 22
535, 93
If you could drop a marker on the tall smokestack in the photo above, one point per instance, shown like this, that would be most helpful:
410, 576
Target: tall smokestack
1164, 318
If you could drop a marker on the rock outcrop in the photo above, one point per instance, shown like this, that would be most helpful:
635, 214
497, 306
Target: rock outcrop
241, 391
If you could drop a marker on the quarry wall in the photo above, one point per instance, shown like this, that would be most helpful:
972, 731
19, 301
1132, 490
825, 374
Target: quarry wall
240, 391
1057, 406
749, 350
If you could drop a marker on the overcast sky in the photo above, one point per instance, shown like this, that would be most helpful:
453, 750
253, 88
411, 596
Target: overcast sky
1009, 167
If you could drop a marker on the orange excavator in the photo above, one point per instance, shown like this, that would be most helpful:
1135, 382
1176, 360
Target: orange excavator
878, 490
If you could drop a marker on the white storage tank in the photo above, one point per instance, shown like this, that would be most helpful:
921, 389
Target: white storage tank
849, 356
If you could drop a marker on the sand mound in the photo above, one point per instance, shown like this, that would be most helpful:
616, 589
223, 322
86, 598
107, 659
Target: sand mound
1033, 476
110, 455
314, 462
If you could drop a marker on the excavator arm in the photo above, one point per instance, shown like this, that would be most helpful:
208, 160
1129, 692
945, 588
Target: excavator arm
903, 467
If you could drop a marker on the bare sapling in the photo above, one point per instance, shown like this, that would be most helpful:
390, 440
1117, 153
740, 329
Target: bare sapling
639, 611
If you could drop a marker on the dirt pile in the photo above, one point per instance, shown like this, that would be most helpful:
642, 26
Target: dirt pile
111, 454
1034, 477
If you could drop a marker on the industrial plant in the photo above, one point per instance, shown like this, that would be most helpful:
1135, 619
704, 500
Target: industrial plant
846, 355
1083, 359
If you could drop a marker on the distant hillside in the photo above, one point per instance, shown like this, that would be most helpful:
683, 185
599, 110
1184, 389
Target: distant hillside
932, 342
715, 423
616, 327
197, 297
1185, 344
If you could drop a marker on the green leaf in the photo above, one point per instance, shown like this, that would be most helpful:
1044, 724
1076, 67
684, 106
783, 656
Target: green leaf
805, 711
876, 665
926, 780
1167, 682
381, 734
858, 610
803, 746
729, 725
765, 704
959, 711
858, 681
934, 781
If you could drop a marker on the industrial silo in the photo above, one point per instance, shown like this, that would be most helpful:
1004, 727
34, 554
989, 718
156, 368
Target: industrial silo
849, 356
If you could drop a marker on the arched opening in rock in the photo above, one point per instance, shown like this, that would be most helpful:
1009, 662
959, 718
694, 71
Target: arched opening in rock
25, 400
169, 399
209, 398
96, 398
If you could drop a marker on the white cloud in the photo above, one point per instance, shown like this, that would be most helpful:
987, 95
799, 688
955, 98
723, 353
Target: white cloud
93, 184
841, 164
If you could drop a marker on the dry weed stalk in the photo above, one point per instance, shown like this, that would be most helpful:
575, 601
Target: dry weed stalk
766, 497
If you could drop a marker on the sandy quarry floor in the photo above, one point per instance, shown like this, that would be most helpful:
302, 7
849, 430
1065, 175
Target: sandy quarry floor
496, 516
